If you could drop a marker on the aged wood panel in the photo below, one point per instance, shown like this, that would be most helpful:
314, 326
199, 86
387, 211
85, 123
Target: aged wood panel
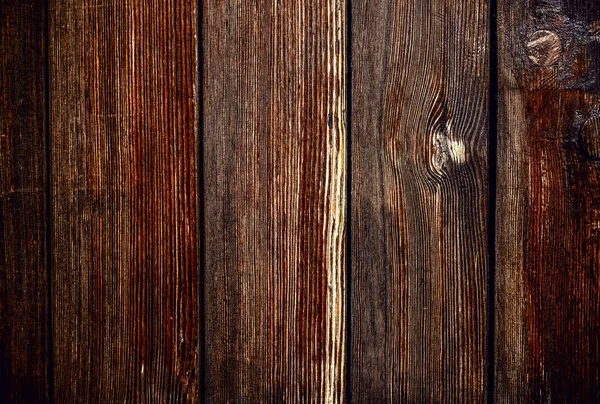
274, 125
125, 228
23, 190
419, 200
548, 218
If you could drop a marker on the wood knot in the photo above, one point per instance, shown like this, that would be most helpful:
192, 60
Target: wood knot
590, 137
544, 48
446, 150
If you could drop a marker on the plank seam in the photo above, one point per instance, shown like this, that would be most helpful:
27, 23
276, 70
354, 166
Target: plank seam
492, 173
348, 294
201, 207
50, 361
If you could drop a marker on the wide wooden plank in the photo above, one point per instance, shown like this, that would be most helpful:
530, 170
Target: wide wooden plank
23, 190
274, 162
548, 262
419, 200
125, 229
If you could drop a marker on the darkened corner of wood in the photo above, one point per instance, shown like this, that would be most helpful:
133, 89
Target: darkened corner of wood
24, 350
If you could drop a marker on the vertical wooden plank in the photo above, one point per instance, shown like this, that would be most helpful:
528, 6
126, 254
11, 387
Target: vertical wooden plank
23, 216
124, 142
419, 208
548, 302
274, 113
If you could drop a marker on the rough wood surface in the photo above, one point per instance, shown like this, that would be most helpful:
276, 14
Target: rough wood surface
125, 228
274, 110
548, 219
419, 208
23, 271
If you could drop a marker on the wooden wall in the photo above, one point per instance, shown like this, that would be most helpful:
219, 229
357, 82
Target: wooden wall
368, 201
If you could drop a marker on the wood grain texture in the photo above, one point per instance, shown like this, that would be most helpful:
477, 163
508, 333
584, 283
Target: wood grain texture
274, 111
125, 229
23, 187
419, 200
548, 219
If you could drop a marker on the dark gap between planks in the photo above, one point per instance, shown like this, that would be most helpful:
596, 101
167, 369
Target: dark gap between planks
348, 272
201, 208
50, 362
492, 168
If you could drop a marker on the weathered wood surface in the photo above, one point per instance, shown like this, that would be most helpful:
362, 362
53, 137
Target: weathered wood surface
23, 253
274, 161
104, 210
548, 220
419, 200
125, 228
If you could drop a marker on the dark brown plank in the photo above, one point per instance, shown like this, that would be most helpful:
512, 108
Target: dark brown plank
274, 110
547, 299
125, 227
419, 200
23, 186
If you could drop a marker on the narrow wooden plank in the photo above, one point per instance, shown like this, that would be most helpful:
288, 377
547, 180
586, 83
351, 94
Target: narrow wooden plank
274, 113
419, 200
125, 227
23, 190
547, 300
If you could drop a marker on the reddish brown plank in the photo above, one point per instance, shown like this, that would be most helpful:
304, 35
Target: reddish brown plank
125, 227
419, 200
274, 110
23, 190
548, 220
